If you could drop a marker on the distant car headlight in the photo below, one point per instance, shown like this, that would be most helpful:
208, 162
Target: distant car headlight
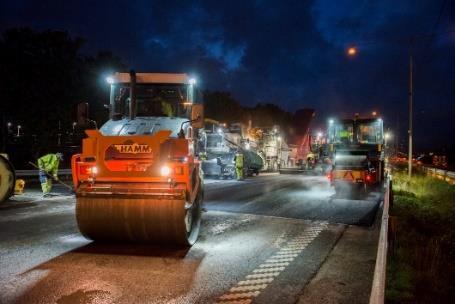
165, 170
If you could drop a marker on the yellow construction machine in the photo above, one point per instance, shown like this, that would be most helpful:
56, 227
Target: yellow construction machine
138, 177
7, 178
356, 148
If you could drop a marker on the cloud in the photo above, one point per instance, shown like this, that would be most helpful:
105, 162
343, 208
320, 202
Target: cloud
287, 52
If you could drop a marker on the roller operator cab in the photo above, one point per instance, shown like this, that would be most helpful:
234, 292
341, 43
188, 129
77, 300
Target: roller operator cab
356, 148
138, 177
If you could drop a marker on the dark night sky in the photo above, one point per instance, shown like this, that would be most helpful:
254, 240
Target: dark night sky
291, 53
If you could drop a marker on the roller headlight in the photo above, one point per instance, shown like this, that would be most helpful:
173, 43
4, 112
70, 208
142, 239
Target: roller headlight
165, 170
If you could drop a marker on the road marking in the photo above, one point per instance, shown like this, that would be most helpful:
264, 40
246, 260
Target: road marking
261, 275
273, 269
258, 281
246, 290
235, 296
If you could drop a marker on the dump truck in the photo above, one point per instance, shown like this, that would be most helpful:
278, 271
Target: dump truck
138, 177
356, 149
7, 178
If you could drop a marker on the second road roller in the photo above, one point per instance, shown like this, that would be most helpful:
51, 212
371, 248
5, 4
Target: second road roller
138, 177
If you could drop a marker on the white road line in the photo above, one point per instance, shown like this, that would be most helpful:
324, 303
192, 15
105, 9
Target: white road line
244, 291
262, 275
271, 264
233, 296
257, 281
248, 288
273, 269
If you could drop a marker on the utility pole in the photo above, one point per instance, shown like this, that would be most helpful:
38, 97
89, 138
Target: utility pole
410, 115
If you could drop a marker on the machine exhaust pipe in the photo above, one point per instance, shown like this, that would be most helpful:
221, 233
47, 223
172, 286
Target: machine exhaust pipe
132, 94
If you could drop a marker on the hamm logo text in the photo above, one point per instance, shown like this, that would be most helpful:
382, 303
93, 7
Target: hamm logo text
134, 148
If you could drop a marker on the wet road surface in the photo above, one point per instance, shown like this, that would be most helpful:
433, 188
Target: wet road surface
262, 241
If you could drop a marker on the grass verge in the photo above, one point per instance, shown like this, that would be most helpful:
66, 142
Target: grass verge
421, 267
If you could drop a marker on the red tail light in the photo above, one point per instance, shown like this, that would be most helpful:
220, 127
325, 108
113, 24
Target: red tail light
370, 178
330, 176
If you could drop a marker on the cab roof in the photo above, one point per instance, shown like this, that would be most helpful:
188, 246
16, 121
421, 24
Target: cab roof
162, 78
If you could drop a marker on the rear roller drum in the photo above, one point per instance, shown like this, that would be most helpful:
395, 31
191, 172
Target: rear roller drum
141, 219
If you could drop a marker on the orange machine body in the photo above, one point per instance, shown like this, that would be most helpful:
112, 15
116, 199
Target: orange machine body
133, 165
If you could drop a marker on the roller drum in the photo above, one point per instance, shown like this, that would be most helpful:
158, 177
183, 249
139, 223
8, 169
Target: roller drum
139, 219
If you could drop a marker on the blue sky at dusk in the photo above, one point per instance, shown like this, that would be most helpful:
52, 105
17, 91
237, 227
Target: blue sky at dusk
291, 53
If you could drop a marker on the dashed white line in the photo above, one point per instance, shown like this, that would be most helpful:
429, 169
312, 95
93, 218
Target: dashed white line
262, 275
258, 281
244, 291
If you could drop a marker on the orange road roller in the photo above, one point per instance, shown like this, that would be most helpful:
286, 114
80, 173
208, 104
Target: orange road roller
138, 177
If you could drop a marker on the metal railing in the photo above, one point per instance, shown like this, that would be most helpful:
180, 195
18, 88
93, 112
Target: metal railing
28, 173
377, 294
448, 176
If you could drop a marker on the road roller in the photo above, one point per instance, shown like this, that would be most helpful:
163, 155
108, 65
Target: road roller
7, 178
138, 177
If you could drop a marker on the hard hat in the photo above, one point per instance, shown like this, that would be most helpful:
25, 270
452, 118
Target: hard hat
59, 155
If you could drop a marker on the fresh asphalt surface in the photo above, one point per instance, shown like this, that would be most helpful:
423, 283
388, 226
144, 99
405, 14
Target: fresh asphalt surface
261, 241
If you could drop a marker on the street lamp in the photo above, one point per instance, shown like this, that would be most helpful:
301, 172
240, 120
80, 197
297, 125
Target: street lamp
351, 51
411, 92
110, 80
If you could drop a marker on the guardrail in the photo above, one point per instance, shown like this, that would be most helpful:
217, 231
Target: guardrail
377, 294
448, 176
28, 173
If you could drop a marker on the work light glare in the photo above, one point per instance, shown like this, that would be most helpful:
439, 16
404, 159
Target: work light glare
110, 80
165, 171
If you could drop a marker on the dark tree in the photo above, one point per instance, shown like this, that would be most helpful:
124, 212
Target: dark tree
40, 78
223, 107
43, 76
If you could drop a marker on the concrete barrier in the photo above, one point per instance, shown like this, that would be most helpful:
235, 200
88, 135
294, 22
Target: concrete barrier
377, 295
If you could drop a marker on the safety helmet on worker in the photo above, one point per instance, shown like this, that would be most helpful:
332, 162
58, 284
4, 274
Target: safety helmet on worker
59, 156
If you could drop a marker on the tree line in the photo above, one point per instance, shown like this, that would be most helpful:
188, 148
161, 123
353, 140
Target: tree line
45, 74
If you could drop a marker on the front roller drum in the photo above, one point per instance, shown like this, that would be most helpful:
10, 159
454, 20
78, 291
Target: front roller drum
161, 220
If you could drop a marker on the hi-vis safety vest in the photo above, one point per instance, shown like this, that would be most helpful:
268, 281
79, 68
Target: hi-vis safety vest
49, 163
239, 160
